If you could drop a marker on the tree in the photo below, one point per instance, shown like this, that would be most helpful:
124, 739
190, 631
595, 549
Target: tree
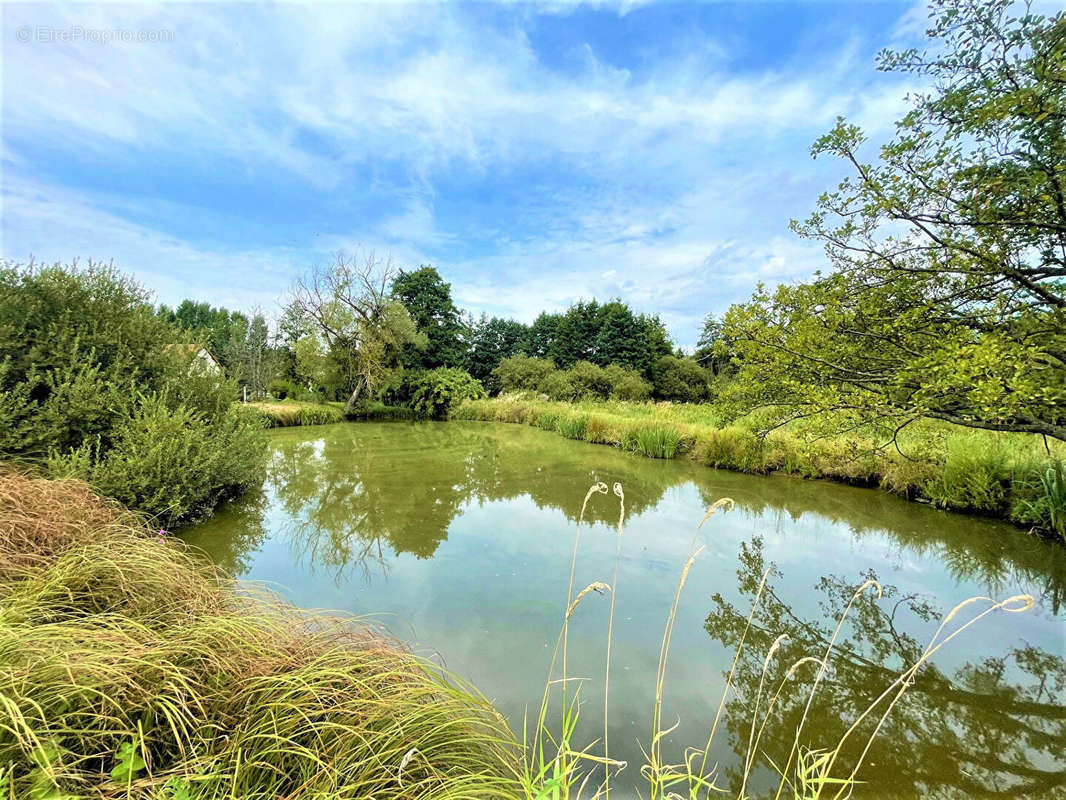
428, 299
491, 341
357, 322
681, 380
715, 350
948, 294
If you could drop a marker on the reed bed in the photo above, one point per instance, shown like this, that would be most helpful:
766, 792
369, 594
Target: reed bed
293, 413
1010, 476
130, 669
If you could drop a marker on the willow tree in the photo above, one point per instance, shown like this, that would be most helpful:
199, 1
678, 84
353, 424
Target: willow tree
947, 294
354, 322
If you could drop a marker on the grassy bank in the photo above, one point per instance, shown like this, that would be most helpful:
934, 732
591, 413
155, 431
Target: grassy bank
127, 669
290, 413
1004, 475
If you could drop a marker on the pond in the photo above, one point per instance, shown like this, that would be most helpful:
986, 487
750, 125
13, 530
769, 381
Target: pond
457, 538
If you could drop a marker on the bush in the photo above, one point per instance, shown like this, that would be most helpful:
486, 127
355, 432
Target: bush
590, 381
171, 464
681, 380
436, 391
96, 385
522, 373
626, 384
282, 389
559, 385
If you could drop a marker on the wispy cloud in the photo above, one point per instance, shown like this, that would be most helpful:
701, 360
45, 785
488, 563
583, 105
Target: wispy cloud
529, 152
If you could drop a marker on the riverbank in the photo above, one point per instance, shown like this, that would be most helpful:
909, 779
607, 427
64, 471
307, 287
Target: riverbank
1008, 476
293, 413
130, 669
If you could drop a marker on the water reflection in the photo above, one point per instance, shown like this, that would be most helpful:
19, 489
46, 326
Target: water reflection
994, 727
353, 495
460, 536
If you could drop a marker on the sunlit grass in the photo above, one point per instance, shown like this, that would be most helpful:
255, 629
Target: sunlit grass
998, 474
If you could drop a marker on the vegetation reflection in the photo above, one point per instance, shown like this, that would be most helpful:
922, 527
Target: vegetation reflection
988, 728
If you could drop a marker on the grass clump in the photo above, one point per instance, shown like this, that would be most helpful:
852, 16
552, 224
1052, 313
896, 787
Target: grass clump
295, 413
653, 441
129, 669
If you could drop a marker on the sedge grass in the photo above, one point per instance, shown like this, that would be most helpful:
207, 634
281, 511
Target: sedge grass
129, 669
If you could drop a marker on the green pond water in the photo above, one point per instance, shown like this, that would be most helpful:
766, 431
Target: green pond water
457, 539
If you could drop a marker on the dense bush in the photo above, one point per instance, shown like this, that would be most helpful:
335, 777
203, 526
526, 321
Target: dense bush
93, 383
681, 380
282, 388
522, 373
559, 385
436, 391
590, 381
626, 384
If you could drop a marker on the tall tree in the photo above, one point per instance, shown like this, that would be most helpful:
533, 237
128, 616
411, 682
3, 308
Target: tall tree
948, 294
428, 299
357, 321
491, 341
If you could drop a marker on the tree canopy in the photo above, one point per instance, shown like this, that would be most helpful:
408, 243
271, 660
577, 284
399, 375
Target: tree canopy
947, 297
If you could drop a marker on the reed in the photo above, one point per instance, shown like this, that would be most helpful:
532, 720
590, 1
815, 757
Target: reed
808, 773
291, 414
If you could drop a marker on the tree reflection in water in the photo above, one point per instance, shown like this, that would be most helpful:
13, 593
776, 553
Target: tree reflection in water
989, 728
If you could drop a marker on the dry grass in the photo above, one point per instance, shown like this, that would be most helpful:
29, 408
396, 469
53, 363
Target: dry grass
129, 669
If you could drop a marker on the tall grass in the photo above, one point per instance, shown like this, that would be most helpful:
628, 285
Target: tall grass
293, 413
1001, 475
559, 767
129, 669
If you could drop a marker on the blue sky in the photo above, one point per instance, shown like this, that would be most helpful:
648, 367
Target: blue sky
535, 154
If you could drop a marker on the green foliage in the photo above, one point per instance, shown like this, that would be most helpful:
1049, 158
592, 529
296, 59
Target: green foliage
282, 388
681, 380
602, 334
353, 333
171, 463
1047, 505
590, 381
295, 413
654, 441
522, 373
559, 385
93, 382
491, 341
428, 299
626, 384
948, 294
435, 392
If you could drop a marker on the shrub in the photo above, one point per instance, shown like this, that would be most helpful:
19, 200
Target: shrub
590, 381
1045, 504
559, 385
626, 384
976, 475
283, 388
522, 373
97, 385
681, 380
171, 464
435, 392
